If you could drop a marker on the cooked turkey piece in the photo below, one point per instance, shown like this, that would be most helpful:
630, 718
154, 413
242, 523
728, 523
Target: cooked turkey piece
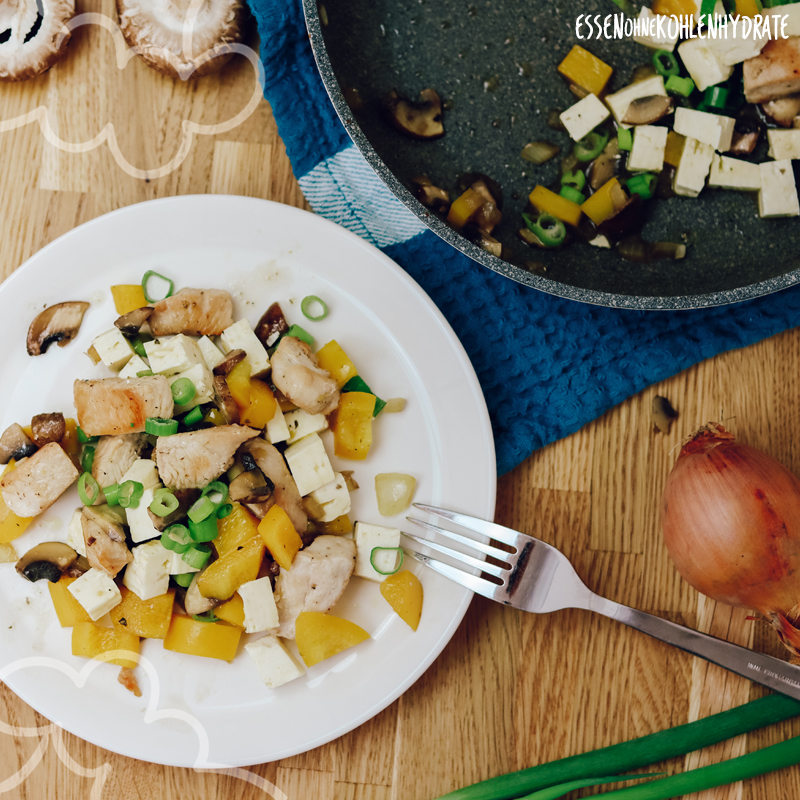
194, 459
195, 312
105, 542
114, 456
297, 375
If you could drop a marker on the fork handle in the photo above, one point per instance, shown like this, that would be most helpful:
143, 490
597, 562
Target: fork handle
766, 670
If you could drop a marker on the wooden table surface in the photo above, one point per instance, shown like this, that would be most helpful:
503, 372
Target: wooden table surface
511, 689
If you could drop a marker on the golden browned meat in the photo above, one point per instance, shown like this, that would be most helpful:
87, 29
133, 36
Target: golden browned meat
297, 374
105, 542
112, 406
114, 456
195, 312
774, 72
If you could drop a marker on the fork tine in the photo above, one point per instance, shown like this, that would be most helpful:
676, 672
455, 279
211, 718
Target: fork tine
495, 552
484, 566
490, 529
478, 585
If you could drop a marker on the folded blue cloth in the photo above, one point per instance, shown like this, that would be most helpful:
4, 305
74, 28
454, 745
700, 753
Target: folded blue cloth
547, 365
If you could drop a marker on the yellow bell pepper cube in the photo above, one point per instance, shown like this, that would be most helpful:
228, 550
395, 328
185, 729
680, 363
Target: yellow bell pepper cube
674, 149
334, 360
604, 202
464, 207
543, 200
351, 424
128, 297
232, 611
679, 8
335, 527
95, 641
235, 529
263, 405
224, 576
748, 8
68, 610
280, 536
207, 639
585, 70
403, 592
239, 383
146, 618
11, 526
320, 636
71, 443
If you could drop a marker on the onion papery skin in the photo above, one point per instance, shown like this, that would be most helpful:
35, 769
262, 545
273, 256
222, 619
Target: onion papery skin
731, 522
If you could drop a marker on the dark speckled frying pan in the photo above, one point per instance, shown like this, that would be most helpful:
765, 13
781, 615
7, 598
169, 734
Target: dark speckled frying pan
493, 63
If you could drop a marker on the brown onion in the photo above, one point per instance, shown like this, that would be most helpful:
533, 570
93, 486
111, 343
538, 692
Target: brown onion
731, 522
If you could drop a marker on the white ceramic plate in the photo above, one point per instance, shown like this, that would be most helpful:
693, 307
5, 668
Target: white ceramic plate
202, 712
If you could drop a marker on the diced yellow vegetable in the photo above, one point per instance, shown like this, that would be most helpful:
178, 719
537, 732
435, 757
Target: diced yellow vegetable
333, 359
335, 527
8, 555
394, 491
239, 384
232, 611
585, 70
128, 297
403, 592
674, 148
463, 208
320, 636
280, 536
69, 611
235, 529
222, 578
604, 202
263, 405
351, 424
71, 443
542, 199
748, 8
94, 641
146, 618
11, 526
677, 7
207, 639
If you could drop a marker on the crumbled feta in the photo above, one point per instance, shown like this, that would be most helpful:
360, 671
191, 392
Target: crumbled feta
367, 537
300, 424
690, 177
114, 349
143, 471
334, 498
665, 42
133, 367
147, 576
584, 116
212, 355
173, 354
277, 430
139, 522
260, 611
75, 533
784, 144
274, 662
96, 592
200, 375
704, 65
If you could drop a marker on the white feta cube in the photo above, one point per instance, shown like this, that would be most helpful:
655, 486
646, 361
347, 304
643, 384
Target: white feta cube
713, 129
75, 534
147, 576
788, 14
240, 336
260, 611
690, 177
784, 144
173, 354
733, 48
657, 33
200, 375
274, 662
178, 566
96, 591
212, 355
277, 430
139, 522
647, 152
584, 116
300, 424
704, 65
368, 537
309, 464
730, 173
136, 365
114, 349
334, 498
778, 195
619, 101
144, 471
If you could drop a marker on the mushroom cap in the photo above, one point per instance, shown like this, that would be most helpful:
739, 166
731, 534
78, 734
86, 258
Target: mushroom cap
59, 323
33, 36
157, 30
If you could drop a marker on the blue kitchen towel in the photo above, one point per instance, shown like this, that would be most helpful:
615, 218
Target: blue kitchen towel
547, 365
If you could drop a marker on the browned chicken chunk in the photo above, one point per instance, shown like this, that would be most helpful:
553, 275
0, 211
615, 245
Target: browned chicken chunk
774, 72
194, 459
114, 456
105, 542
195, 312
38, 481
113, 406
297, 374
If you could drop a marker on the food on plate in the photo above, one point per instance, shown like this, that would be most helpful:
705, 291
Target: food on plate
59, 323
395, 492
403, 592
211, 509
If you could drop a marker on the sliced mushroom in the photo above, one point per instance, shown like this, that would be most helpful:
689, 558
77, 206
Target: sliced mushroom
420, 120
486, 187
47, 560
429, 195
14, 443
59, 323
647, 110
231, 360
131, 323
185, 498
271, 325
194, 603
47, 428
223, 399
490, 245
626, 219
251, 487
33, 36
605, 166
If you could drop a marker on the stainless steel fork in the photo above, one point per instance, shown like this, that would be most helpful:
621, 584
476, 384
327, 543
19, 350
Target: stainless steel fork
535, 576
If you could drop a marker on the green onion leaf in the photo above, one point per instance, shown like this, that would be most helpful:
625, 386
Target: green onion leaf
158, 426
224, 511
184, 579
193, 417
624, 139
176, 538
88, 489
574, 178
380, 571
130, 493
306, 306
206, 530
201, 509
146, 280
560, 789
300, 333
87, 458
164, 502
208, 617
216, 492
197, 555
111, 493
183, 391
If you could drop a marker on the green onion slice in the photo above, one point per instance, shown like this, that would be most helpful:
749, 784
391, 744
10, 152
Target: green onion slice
224, 511
158, 426
164, 502
204, 531
549, 230
380, 571
88, 489
184, 579
306, 307
138, 347
209, 617
201, 509
300, 333
130, 493
683, 87
87, 458
643, 184
571, 193
624, 139
145, 373
665, 63
146, 280
197, 555
217, 493
183, 391
358, 384
574, 178
194, 416
111, 493
588, 148
176, 538
84, 438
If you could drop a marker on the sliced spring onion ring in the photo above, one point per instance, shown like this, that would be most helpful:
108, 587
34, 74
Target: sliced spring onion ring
624, 139
88, 489
216, 492
379, 571
184, 579
588, 148
643, 184
665, 63
130, 493
183, 391
197, 555
146, 280
209, 617
204, 531
201, 509
571, 193
176, 538
158, 426
164, 502
574, 178
548, 229
111, 493
680, 86
308, 302
87, 458
224, 511
194, 416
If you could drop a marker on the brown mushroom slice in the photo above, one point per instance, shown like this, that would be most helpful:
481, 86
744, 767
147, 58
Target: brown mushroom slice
490, 245
194, 603
185, 498
47, 561
251, 487
783, 110
271, 325
231, 360
420, 120
605, 166
223, 399
647, 110
59, 323
33, 36
46, 428
158, 31
131, 323
429, 195
626, 219
14, 443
